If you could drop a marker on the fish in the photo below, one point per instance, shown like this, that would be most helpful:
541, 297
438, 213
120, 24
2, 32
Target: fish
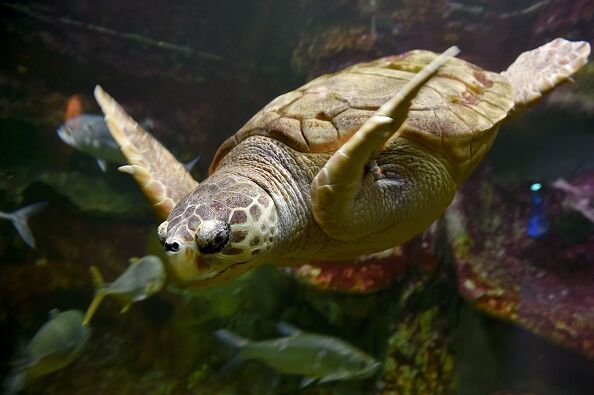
144, 277
55, 345
538, 225
318, 358
89, 133
579, 198
19, 219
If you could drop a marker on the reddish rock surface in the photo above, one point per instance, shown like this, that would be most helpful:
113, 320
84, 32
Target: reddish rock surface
544, 284
369, 273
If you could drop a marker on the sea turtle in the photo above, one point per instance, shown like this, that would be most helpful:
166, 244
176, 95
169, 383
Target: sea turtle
349, 164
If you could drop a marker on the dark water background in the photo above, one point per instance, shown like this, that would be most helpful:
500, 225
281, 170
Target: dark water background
199, 70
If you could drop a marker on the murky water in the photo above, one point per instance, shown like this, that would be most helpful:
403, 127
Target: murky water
494, 298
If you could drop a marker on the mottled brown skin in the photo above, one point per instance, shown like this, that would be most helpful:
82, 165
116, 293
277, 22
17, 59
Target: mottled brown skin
264, 199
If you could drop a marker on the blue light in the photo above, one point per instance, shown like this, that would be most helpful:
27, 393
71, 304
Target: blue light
536, 187
537, 223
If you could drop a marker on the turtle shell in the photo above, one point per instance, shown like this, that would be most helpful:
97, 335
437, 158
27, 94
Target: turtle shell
452, 112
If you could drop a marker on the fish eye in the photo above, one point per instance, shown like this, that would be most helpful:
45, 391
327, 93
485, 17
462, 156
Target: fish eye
213, 238
363, 364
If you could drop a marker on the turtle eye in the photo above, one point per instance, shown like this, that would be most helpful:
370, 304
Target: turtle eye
162, 232
213, 240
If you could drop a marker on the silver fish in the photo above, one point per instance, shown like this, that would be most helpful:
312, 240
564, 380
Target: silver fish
143, 278
19, 220
316, 357
89, 133
57, 343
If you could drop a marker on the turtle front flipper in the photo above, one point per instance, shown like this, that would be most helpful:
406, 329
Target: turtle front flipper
161, 177
336, 188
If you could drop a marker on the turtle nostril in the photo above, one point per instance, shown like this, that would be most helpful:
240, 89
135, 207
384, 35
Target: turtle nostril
172, 246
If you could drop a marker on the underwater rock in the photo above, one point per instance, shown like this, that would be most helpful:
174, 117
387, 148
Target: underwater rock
365, 275
544, 284
30, 100
420, 352
420, 359
369, 273
571, 16
337, 46
90, 194
14, 182
95, 195
365, 29
175, 56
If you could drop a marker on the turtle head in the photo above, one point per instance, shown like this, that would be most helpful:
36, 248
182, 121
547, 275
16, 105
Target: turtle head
220, 230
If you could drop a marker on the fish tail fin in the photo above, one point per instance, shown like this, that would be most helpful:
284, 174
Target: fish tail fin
97, 277
230, 366
307, 381
235, 341
14, 382
190, 164
99, 294
286, 329
102, 165
20, 217
125, 308
231, 339
29, 210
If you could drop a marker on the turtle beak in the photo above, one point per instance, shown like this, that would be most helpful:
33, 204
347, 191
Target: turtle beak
185, 262
188, 268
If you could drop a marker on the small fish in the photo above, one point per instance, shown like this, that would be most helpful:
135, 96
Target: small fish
538, 225
89, 134
316, 357
19, 220
57, 343
143, 278
579, 198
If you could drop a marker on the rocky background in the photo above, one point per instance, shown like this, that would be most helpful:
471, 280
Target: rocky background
448, 313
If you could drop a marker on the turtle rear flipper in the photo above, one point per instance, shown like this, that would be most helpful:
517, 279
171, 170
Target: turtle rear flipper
537, 72
162, 178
